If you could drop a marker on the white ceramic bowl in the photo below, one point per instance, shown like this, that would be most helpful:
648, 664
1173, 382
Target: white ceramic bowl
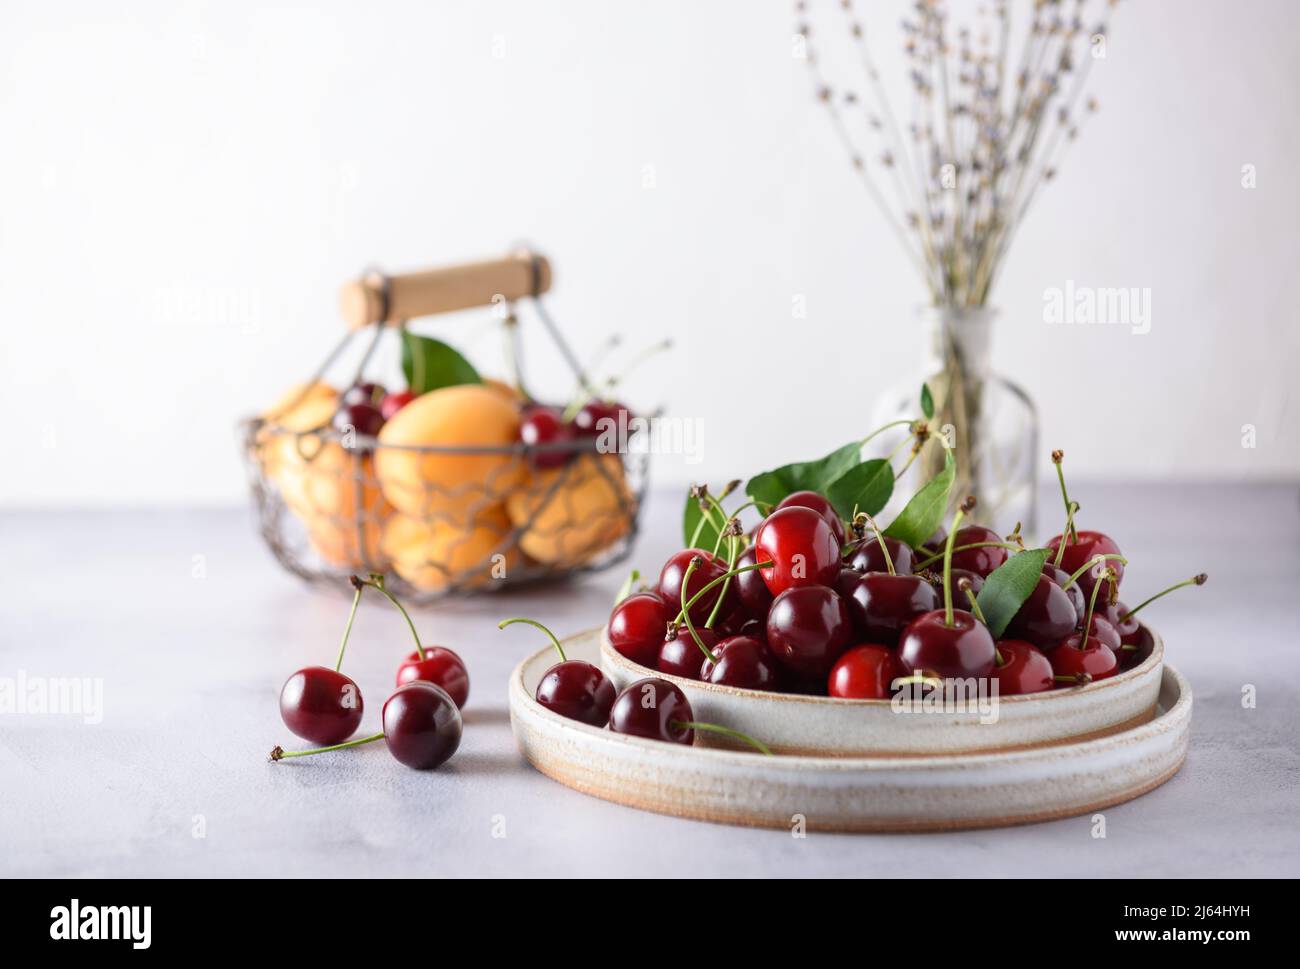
827, 726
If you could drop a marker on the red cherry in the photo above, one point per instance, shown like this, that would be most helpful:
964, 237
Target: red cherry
743, 662
808, 627
819, 504
362, 420
636, 627
1084, 660
958, 651
321, 705
653, 708
597, 417
1078, 553
394, 402
363, 393
753, 592
1114, 613
422, 725
440, 666
578, 691
1061, 577
866, 555
865, 673
711, 567
1046, 617
979, 560
882, 605
1101, 629
682, 656
801, 547
1024, 669
547, 435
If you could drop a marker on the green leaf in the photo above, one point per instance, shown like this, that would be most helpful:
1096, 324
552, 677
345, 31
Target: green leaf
927, 402
1009, 585
772, 486
430, 364
691, 517
866, 487
923, 514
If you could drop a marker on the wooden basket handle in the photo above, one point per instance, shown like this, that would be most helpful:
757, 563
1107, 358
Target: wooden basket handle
376, 298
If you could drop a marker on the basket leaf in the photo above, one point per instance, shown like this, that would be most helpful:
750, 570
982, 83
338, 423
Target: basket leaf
430, 364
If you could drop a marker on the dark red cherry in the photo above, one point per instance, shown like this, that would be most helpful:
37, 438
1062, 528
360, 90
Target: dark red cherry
743, 662
979, 560
598, 416
958, 651
1076, 658
1103, 630
976, 580
440, 666
754, 594
682, 656
545, 429
578, 691
636, 627
882, 605
1060, 577
802, 548
1135, 648
653, 708
422, 725
865, 672
1024, 669
364, 393
392, 403
866, 555
1113, 612
808, 627
362, 420
1046, 617
711, 567
321, 705
819, 504
1088, 547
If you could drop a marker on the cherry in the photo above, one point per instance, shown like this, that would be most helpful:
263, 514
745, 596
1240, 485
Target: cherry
1083, 660
956, 648
743, 662
321, 705
422, 725
394, 402
1079, 554
587, 422
653, 708
1046, 617
866, 555
1123, 619
755, 628
680, 655
674, 574
882, 605
1116, 613
440, 666
808, 627
802, 548
1022, 668
636, 627
363, 393
753, 592
1100, 628
1062, 578
865, 672
363, 420
571, 688
545, 429
982, 560
819, 504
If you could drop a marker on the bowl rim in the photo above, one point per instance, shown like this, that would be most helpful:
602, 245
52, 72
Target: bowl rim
1155, 659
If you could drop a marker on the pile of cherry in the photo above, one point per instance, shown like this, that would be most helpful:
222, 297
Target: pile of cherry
812, 607
421, 718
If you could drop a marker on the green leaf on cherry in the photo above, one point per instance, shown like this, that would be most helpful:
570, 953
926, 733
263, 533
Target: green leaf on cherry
866, 487
692, 515
923, 513
770, 487
927, 402
430, 364
1008, 586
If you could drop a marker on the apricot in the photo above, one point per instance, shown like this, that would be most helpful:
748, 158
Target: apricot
303, 407
433, 554
334, 491
453, 487
574, 512
506, 391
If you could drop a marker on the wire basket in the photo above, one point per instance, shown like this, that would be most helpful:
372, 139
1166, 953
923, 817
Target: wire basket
439, 519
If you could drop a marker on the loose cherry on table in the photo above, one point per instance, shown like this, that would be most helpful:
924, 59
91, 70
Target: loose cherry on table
882, 605
422, 725
674, 574
819, 504
545, 428
801, 547
440, 666
572, 688
321, 704
865, 672
808, 627
744, 662
636, 627
1021, 668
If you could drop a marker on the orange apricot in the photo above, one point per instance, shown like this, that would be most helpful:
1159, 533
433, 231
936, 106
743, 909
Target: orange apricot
572, 513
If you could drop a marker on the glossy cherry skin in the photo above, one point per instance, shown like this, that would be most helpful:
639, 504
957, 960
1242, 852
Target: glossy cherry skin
711, 567
808, 627
979, 560
753, 592
1046, 617
364, 393
650, 708
545, 426
801, 547
682, 656
588, 421
365, 420
1024, 669
440, 666
743, 662
819, 504
636, 627
1060, 577
321, 705
882, 605
1128, 630
1088, 547
865, 672
578, 691
960, 651
394, 402
1135, 648
422, 725
1103, 630
866, 555
1094, 658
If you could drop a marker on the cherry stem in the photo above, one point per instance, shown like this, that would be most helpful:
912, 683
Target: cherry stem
758, 745
889, 561
713, 584
962, 548
1087, 619
377, 582
1069, 529
626, 588
965, 587
726, 582
1090, 564
533, 622
686, 612
881, 430
1076, 679
1194, 580
279, 753
1057, 458
958, 515
347, 630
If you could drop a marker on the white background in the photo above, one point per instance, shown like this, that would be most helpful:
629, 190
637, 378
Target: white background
183, 186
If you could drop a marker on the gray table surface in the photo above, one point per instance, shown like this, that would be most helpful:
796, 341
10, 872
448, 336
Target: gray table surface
174, 780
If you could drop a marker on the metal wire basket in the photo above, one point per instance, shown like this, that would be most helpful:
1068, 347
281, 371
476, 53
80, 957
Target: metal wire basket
439, 519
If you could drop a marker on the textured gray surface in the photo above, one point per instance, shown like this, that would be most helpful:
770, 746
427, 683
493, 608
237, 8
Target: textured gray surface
191, 669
